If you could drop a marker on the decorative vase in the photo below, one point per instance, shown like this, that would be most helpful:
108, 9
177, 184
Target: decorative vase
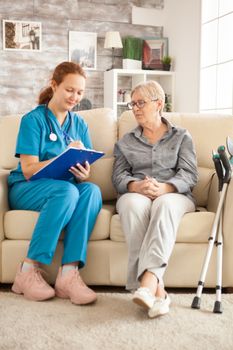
131, 64
166, 66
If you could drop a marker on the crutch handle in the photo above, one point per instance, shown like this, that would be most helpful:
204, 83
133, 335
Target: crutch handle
219, 171
226, 164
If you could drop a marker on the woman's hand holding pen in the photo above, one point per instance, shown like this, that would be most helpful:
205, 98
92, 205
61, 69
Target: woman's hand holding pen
76, 144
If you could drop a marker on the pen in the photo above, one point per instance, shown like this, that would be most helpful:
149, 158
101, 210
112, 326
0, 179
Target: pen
67, 137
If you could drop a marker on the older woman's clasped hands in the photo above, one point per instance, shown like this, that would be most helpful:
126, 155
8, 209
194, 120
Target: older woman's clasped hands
150, 187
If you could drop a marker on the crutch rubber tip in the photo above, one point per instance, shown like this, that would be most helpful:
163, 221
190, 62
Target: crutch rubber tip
196, 303
217, 307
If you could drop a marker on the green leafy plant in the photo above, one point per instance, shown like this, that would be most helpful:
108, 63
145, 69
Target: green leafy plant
132, 48
166, 60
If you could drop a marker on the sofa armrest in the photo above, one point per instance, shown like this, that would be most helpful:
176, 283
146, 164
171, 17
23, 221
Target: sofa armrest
213, 196
213, 201
3, 199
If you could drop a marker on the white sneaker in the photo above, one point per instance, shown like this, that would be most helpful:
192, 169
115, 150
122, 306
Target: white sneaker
144, 297
160, 307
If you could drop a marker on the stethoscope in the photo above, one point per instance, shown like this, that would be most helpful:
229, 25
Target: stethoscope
52, 136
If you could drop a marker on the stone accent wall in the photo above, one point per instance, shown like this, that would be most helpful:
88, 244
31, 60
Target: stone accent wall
23, 73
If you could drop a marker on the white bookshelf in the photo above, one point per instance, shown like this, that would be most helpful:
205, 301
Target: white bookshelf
126, 79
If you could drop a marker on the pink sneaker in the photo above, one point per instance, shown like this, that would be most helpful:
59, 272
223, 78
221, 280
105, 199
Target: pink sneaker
71, 286
32, 285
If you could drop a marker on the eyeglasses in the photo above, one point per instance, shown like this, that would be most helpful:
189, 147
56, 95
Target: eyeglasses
140, 103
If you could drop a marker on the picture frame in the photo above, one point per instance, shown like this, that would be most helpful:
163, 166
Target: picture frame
154, 49
21, 35
83, 49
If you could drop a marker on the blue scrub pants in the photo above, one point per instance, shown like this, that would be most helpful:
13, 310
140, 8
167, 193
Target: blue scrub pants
62, 205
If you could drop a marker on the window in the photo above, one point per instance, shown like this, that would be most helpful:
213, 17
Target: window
216, 75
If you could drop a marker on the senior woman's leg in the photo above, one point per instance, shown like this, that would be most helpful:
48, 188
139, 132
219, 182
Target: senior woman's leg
166, 214
134, 210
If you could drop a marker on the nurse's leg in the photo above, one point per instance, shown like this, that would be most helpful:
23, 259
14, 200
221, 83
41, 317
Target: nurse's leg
81, 223
134, 210
56, 201
69, 283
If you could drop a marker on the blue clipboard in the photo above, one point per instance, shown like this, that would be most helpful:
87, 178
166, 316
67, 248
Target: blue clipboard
59, 167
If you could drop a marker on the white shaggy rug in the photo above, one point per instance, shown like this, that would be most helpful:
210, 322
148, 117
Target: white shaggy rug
113, 323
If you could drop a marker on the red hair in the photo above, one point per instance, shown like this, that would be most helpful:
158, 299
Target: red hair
58, 76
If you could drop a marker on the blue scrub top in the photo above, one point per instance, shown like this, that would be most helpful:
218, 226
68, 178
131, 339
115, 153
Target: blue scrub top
33, 137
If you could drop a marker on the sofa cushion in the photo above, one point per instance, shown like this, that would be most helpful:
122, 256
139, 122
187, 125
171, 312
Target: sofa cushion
19, 224
101, 175
102, 124
208, 131
9, 127
194, 228
202, 188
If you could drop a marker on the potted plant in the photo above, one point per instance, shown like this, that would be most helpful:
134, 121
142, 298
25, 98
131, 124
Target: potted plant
166, 61
132, 52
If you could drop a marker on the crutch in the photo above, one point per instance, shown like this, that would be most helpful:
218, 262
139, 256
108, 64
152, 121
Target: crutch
220, 161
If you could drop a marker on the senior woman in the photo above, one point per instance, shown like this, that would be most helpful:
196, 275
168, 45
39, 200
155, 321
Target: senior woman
154, 173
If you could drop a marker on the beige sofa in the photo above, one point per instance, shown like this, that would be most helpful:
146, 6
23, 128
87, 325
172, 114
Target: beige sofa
107, 251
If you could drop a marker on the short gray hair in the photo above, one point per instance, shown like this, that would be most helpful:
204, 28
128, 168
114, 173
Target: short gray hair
151, 89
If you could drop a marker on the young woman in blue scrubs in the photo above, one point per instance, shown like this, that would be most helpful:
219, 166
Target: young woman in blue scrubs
71, 205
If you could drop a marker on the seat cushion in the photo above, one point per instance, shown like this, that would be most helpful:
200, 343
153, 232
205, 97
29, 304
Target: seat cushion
102, 124
202, 188
19, 224
194, 228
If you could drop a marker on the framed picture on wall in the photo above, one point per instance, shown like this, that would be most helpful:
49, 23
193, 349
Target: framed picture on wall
154, 49
83, 49
21, 35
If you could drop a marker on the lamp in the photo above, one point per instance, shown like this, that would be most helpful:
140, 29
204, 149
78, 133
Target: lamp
112, 41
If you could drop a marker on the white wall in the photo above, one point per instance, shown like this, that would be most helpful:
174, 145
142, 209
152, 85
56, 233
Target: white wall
181, 22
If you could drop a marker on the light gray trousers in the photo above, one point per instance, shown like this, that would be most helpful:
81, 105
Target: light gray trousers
150, 229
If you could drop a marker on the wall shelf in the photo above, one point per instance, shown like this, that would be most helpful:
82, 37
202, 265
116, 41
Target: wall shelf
126, 79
